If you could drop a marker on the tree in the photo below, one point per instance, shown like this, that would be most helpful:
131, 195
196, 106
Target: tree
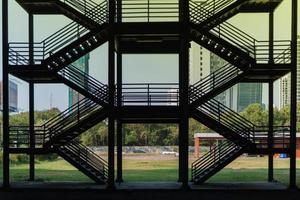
256, 114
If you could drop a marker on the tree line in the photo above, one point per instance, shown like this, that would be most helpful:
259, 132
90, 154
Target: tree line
156, 134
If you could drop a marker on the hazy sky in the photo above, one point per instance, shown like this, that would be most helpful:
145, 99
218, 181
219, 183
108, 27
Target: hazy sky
137, 68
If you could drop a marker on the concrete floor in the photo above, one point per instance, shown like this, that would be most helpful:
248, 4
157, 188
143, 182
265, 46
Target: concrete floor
151, 186
148, 191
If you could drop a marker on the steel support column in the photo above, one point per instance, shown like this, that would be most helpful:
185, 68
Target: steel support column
270, 133
111, 117
119, 103
5, 97
183, 95
271, 98
293, 96
119, 123
111, 85
31, 99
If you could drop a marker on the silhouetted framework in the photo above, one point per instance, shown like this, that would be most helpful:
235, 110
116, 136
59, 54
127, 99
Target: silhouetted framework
143, 27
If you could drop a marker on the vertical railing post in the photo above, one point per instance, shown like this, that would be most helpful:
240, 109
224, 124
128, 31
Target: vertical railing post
78, 113
17, 59
219, 113
148, 95
214, 7
148, 10
254, 50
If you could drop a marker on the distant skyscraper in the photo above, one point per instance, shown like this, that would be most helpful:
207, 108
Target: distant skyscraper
285, 82
248, 93
13, 96
226, 97
239, 96
285, 90
83, 65
203, 62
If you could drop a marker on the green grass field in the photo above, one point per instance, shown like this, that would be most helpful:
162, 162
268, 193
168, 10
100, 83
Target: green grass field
159, 168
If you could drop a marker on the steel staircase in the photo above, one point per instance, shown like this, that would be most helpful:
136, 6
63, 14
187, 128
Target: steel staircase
243, 53
215, 83
84, 12
84, 84
90, 29
242, 136
59, 135
85, 160
56, 53
215, 160
72, 122
225, 121
210, 13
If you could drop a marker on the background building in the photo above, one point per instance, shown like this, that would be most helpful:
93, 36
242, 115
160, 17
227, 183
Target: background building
199, 63
285, 82
13, 96
83, 65
248, 93
240, 95
285, 90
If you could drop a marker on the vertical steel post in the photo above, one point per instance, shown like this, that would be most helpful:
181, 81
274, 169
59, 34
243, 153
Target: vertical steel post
119, 123
293, 108
183, 94
270, 133
5, 97
111, 85
119, 178
271, 98
31, 99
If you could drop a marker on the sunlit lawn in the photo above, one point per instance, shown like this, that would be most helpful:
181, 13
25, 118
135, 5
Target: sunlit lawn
144, 167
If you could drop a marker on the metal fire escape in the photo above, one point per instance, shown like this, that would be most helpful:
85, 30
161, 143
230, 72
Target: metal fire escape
148, 26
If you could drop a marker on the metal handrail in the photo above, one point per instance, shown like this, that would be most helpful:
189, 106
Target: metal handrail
213, 81
82, 153
19, 136
149, 10
259, 50
70, 33
86, 82
229, 118
213, 158
150, 94
207, 9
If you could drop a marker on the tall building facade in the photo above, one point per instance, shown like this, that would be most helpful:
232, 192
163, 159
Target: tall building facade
83, 65
226, 97
239, 96
248, 93
13, 96
285, 82
199, 63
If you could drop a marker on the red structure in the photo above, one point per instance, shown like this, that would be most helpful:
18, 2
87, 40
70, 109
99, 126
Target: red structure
215, 137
